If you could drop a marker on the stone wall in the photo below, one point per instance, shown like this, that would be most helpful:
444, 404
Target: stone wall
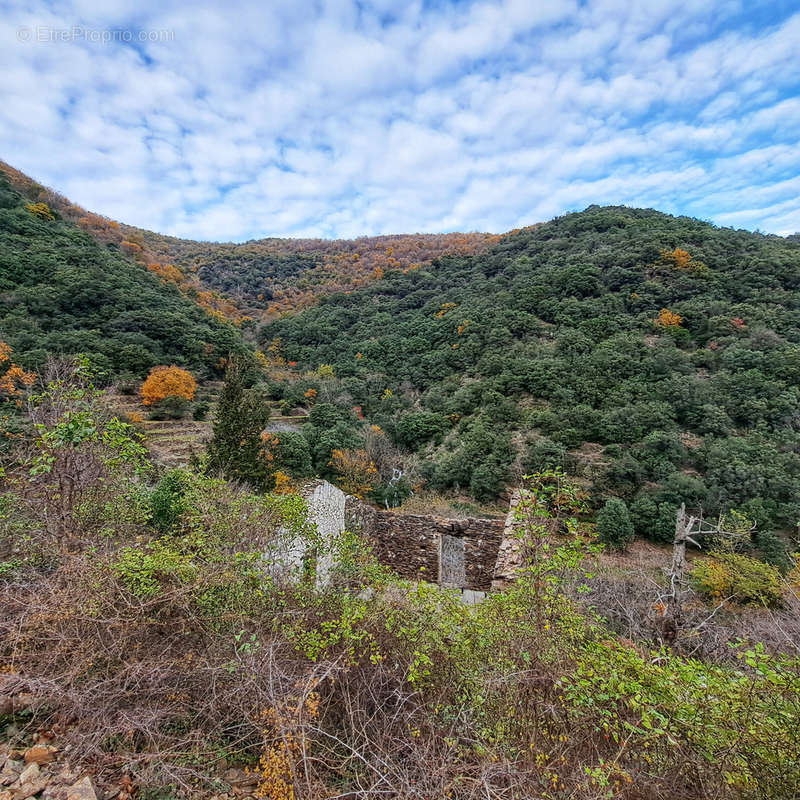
458, 553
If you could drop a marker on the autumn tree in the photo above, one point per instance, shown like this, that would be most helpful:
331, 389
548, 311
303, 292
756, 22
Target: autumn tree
668, 319
681, 260
163, 382
13, 379
41, 210
357, 474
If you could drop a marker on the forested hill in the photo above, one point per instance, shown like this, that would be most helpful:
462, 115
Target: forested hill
269, 276
62, 291
657, 357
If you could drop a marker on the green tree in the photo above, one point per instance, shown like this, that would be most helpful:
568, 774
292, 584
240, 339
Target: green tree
614, 524
237, 447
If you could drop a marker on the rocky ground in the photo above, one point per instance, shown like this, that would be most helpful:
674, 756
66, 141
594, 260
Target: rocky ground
44, 771
34, 764
40, 771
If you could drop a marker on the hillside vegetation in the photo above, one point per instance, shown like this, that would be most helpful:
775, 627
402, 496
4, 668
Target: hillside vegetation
270, 276
151, 627
657, 359
63, 291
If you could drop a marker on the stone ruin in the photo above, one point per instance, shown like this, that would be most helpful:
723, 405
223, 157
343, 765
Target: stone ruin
472, 555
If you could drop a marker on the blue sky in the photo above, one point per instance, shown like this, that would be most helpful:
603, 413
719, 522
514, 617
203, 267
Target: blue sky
340, 118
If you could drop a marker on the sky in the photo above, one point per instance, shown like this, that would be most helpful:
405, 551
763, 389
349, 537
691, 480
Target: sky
230, 121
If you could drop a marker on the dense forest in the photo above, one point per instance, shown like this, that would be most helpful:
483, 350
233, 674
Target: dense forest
655, 358
270, 276
63, 291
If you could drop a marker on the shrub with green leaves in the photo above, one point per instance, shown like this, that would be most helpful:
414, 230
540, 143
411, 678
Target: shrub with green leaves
738, 577
143, 570
614, 524
168, 501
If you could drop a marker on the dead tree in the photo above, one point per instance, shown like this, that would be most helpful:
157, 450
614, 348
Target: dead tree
688, 529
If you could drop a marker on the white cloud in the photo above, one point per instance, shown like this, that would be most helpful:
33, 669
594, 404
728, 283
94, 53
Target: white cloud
345, 118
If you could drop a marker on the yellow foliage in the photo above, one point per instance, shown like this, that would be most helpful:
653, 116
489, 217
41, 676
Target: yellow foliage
444, 309
681, 260
278, 765
283, 483
166, 381
167, 272
357, 473
40, 210
668, 319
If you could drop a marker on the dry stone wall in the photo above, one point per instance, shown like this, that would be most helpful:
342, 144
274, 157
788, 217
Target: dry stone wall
473, 555
457, 553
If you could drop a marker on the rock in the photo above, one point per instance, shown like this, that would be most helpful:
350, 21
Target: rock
82, 790
31, 787
40, 754
6, 795
11, 770
29, 773
238, 777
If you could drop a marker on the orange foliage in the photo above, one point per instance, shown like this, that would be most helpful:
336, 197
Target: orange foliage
13, 378
131, 248
167, 272
310, 394
269, 443
167, 382
679, 257
346, 264
668, 319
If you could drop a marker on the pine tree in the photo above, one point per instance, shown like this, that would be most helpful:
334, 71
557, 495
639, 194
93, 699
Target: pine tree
236, 449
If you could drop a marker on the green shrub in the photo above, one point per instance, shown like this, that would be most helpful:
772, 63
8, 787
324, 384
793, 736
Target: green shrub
393, 493
144, 570
733, 575
773, 550
543, 454
201, 409
168, 501
614, 524
171, 407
